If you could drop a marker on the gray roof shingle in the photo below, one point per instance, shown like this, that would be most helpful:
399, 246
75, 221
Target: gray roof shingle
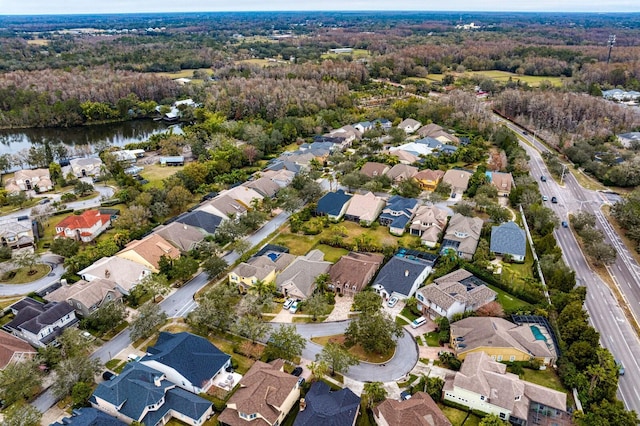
508, 238
327, 408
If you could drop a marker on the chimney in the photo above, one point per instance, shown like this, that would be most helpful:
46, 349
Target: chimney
303, 404
406, 272
157, 381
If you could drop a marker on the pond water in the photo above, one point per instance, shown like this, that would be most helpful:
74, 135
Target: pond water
85, 140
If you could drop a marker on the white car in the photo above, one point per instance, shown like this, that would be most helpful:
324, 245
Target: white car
392, 302
418, 322
294, 308
288, 304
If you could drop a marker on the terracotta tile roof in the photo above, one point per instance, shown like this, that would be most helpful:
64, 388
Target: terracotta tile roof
430, 175
86, 220
10, 346
420, 410
262, 390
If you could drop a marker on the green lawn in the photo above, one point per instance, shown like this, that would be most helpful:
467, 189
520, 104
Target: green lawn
298, 245
22, 274
503, 77
509, 302
432, 339
458, 417
408, 314
332, 254
547, 378
355, 53
155, 174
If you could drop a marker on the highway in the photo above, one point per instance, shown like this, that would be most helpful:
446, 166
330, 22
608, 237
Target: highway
616, 333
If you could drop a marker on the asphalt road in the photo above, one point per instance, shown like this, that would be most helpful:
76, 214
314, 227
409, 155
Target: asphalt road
616, 334
57, 270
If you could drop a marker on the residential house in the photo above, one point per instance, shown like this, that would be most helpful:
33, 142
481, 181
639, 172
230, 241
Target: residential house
89, 416
84, 167
124, 272
191, 362
38, 180
173, 161
205, 221
509, 239
224, 207
431, 143
148, 251
84, 227
322, 406
86, 296
428, 179
383, 123
354, 271
628, 140
40, 323
455, 293
143, 394
419, 410
409, 125
298, 279
333, 204
434, 131
243, 195
281, 177
458, 180
448, 149
364, 209
502, 181
484, 385
282, 163
127, 156
184, 237
372, 169
404, 157
13, 349
462, 236
401, 172
429, 223
266, 395
403, 274
259, 268
502, 340
363, 126
414, 148
398, 213
263, 186
16, 233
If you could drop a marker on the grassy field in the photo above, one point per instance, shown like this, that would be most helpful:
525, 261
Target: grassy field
518, 273
155, 174
38, 42
356, 350
5, 302
458, 417
547, 378
503, 77
432, 339
332, 254
188, 73
260, 62
509, 302
22, 274
355, 53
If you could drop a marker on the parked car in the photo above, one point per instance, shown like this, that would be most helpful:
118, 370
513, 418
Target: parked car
392, 302
565, 224
45, 200
418, 322
293, 308
297, 371
545, 198
524, 132
108, 375
404, 395
554, 200
288, 303
543, 178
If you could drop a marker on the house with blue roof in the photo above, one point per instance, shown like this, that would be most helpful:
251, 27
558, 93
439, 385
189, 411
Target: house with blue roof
88, 416
321, 406
430, 142
189, 361
383, 123
510, 239
363, 126
448, 149
403, 274
143, 394
333, 204
398, 213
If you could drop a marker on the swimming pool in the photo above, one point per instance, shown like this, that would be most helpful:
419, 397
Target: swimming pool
537, 333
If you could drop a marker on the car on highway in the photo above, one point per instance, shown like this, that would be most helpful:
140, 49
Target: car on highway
620, 368
543, 178
418, 322
545, 198
288, 304
392, 302
565, 224
554, 200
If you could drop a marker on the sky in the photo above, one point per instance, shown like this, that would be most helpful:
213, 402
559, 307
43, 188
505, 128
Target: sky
45, 7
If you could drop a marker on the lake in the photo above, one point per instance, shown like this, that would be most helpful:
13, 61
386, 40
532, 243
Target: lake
82, 141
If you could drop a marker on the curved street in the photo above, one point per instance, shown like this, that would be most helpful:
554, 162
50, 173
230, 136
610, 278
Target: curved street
57, 270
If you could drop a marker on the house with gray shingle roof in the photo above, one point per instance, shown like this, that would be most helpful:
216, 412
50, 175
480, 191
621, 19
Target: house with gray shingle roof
322, 406
401, 172
298, 280
462, 236
428, 223
89, 416
398, 212
206, 221
510, 239
189, 361
40, 323
403, 274
85, 296
333, 204
372, 169
419, 410
184, 237
141, 393
409, 125
455, 293
264, 186
484, 385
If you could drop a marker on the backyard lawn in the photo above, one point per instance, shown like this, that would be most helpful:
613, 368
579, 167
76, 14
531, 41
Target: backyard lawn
332, 254
458, 417
547, 378
508, 302
155, 174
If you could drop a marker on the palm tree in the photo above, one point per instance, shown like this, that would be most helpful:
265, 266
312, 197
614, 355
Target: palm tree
375, 392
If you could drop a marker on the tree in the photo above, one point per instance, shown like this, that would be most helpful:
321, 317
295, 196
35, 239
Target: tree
134, 218
106, 317
242, 246
178, 198
214, 266
19, 381
65, 247
183, 268
607, 412
80, 394
375, 393
71, 371
601, 252
82, 188
409, 188
17, 199
289, 200
251, 327
21, 414
367, 302
492, 420
215, 310
443, 189
148, 320
375, 332
72, 343
582, 219
498, 214
316, 305
26, 259
5, 164
285, 343
318, 369
337, 358
464, 209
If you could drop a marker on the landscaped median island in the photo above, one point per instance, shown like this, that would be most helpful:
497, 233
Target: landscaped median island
25, 274
356, 350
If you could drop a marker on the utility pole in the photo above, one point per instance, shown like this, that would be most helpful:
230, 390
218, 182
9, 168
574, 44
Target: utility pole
610, 43
564, 169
